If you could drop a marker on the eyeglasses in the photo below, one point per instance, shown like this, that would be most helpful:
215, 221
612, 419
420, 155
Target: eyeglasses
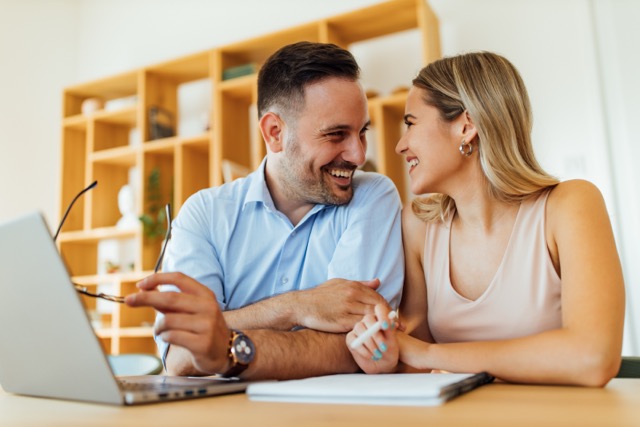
119, 299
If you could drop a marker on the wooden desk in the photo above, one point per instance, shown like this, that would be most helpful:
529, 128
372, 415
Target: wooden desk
618, 404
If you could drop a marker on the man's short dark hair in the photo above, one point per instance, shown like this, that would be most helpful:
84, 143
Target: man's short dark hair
284, 76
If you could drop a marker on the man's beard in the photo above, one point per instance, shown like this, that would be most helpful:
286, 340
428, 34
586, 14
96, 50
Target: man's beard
301, 182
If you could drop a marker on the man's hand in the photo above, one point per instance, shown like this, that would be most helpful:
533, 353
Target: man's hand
192, 319
336, 305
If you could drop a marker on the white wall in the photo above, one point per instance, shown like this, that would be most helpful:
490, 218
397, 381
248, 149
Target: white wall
37, 58
617, 36
577, 57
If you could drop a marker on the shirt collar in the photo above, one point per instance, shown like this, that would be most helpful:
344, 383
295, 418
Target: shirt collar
258, 191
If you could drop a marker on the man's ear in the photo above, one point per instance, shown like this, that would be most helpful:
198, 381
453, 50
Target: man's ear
272, 129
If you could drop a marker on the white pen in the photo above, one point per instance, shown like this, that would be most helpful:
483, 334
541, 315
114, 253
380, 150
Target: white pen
370, 331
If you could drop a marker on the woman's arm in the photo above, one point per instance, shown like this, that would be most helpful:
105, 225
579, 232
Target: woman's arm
586, 350
413, 306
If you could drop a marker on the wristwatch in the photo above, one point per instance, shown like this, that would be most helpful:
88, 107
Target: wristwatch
241, 353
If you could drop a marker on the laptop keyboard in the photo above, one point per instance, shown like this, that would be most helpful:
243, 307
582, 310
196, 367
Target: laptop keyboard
144, 386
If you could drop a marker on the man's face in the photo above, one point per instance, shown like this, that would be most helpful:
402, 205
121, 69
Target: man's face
326, 144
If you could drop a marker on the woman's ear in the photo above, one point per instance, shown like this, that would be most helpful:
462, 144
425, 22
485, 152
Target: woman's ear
272, 129
469, 130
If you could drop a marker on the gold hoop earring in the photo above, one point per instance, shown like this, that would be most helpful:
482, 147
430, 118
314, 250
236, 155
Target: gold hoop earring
465, 148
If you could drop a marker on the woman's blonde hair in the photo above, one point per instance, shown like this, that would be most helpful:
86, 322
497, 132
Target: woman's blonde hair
490, 89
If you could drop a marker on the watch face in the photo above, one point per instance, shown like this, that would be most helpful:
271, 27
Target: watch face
243, 349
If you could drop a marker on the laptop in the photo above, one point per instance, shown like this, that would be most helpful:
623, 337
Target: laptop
48, 346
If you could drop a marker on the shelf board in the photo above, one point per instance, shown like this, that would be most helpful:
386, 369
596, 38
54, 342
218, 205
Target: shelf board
77, 122
126, 116
168, 145
164, 145
198, 141
120, 156
135, 331
95, 279
124, 332
185, 69
239, 87
97, 234
104, 332
375, 21
118, 86
258, 49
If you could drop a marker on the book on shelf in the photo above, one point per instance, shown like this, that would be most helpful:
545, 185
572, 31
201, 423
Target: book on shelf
239, 71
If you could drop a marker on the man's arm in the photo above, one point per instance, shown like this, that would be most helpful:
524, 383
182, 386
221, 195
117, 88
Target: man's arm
196, 330
279, 355
334, 306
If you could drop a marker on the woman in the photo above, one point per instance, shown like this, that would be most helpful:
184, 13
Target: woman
507, 270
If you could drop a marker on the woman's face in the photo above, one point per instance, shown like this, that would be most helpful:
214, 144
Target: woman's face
430, 146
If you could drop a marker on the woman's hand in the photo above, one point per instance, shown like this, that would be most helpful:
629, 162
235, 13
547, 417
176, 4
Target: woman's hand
379, 353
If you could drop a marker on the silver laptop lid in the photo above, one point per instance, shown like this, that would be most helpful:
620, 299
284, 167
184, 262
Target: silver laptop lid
48, 346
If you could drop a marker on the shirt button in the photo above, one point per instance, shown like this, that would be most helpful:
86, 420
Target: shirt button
293, 233
284, 280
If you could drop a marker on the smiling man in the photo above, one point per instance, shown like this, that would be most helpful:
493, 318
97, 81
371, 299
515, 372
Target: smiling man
270, 271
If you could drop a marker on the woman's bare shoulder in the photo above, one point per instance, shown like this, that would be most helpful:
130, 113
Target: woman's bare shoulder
574, 196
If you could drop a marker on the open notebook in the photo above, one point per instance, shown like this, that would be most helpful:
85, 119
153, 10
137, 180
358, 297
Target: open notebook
48, 347
383, 389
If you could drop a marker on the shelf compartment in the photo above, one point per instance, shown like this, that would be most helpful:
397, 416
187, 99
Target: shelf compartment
387, 118
111, 176
112, 129
193, 166
133, 321
233, 127
165, 87
73, 167
135, 344
118, 86
158, 178
79, 249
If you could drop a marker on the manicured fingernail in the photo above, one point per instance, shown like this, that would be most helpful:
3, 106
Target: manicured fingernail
383, 347
375, 358
385, 325
377, 354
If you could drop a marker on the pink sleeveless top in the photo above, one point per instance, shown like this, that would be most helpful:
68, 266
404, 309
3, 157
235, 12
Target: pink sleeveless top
522, 299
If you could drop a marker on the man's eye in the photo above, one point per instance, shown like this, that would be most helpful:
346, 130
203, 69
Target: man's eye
408, 123
336, 135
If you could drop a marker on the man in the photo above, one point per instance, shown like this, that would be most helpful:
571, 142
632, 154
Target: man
294, 254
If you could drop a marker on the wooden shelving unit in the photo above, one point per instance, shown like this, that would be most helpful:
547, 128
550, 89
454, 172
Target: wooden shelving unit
115, 147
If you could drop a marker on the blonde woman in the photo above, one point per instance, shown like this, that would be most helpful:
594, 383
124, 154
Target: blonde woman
507, 270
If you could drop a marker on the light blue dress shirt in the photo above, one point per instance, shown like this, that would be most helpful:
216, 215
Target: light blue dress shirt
232, 239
